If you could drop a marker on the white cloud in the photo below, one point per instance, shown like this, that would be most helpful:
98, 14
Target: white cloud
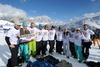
90, 15
10, 11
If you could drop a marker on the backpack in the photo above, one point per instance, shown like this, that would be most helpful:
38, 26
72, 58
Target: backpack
29, 64
92, 64
51, 59
39, 64
19, 59
64, 63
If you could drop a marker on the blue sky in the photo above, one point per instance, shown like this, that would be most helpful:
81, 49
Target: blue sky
62, 10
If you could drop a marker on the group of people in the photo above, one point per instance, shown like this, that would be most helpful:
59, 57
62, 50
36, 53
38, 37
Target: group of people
33, 41
74, 43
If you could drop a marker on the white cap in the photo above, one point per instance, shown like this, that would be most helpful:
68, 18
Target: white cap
17, 22
78, 29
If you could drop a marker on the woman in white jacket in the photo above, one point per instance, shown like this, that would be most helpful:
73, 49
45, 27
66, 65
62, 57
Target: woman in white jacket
78, 45
66, 43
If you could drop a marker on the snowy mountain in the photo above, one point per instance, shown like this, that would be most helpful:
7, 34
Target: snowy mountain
41, 19
46, 20
93, 22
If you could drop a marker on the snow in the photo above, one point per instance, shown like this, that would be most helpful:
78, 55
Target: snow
93, 24
5, 54
4, 22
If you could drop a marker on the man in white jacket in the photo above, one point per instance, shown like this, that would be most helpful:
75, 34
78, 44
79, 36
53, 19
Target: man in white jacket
59, 41
32, 43
86, 41
39, 44
44, 40
51, 38
12, 41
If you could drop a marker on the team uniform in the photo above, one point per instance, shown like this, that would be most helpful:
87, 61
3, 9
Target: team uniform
71, 44
39, 42
32, 44
87, 42
13, 39
59, 42
51, 37
66, 49
24, 44
78, 46
44, 40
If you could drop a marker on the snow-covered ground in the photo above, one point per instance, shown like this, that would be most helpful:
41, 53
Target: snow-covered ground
5, 54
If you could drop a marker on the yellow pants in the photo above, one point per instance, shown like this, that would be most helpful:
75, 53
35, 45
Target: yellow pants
32, 47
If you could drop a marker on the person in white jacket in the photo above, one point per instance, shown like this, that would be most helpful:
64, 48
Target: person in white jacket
51, 38
87, 41
71, 43
59, 41
12, 39
66, 43
44, 40
39, 44
32, 43
78, 44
